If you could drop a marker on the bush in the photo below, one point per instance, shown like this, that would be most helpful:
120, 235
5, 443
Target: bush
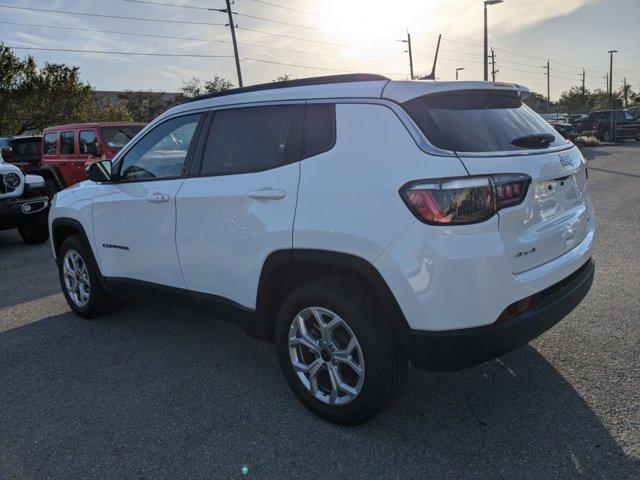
587, 141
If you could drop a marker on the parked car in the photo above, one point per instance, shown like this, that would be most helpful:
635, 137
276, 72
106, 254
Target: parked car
67, 150
357, 222
634, 111
23, 204
598, 124
563, 128
23, 151
575, 116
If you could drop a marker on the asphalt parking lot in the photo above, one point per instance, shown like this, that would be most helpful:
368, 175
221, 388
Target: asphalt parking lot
153, 391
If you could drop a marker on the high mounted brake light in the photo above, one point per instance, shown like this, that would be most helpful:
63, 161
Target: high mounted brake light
465, 200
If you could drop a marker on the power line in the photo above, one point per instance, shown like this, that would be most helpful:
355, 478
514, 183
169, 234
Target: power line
144, 19
170, 37
148, 2
316, 41
312, 67
111, 52
112, 32
293, 9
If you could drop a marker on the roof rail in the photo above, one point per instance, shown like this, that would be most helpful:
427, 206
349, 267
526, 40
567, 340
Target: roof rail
326, 80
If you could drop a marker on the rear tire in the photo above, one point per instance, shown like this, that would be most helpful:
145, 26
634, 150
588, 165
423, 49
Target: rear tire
361, 339
80, 281
35, 231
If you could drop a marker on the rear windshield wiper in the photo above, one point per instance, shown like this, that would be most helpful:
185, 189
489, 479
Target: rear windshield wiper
537, 140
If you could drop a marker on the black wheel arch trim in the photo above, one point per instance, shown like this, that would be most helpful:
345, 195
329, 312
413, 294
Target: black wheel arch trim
55, 173
76, 225
331, 259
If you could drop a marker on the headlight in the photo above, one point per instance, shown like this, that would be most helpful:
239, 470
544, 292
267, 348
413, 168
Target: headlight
11, 180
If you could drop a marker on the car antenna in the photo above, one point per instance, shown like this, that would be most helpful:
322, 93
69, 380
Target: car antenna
432, 75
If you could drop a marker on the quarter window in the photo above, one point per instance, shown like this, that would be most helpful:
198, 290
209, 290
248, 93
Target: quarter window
49, 143
253, 139
319, 129
162, 152
66, 143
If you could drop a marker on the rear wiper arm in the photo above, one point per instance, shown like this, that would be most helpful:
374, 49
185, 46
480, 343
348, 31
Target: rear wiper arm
537, 140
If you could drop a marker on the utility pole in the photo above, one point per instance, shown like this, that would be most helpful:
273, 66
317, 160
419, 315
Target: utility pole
493, 65
233, 39
584, 90
606, 78
548, 86
611, 123
459, 69
408, 42
486, 37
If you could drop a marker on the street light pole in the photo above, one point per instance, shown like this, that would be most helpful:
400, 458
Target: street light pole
611, 124
486, 38
458, 70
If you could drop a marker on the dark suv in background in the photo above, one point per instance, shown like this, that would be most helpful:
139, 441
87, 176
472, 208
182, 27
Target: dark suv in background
598, 124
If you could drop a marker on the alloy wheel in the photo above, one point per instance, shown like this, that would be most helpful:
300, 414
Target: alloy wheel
76, 278
326, 356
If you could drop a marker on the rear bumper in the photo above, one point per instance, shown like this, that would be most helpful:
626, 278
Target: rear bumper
458, 349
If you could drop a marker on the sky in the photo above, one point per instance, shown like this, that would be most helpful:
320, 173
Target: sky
306, 38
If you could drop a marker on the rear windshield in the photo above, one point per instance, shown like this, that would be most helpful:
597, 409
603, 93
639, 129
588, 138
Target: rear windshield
477, 121
118, 137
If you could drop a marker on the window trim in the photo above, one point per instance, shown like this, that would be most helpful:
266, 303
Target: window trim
117, 161
73, 138
299, 128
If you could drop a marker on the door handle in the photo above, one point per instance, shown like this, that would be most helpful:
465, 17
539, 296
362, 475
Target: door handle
157, 198
267, 194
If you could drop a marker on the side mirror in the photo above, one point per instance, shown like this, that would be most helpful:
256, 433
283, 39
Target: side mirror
100, 172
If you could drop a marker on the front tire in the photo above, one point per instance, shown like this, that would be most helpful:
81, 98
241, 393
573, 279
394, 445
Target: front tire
338, 352
35, 231
79, 279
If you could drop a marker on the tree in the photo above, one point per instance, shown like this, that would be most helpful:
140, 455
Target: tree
537, 102
282, 78
143, 106
33, 98
196, 87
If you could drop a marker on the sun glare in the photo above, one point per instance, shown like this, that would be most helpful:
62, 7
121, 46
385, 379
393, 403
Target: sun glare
366, 20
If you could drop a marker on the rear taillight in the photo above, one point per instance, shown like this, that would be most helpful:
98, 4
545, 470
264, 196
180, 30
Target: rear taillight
459, 201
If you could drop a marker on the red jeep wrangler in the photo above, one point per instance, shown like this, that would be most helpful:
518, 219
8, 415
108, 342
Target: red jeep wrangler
68, 149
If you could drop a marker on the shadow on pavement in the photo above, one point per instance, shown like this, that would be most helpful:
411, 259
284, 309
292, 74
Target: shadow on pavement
153, 391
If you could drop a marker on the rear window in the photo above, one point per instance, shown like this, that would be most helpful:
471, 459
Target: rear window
117, 137
477, 121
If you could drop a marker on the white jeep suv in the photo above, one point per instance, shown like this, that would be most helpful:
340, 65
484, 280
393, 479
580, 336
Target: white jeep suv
357, 222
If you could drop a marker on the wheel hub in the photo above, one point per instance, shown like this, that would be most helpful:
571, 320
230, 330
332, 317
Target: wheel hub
326, 356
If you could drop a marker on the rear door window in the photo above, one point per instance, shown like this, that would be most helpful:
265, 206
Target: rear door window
88, 142
253, 139
66, 143
49, 143
477, 121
